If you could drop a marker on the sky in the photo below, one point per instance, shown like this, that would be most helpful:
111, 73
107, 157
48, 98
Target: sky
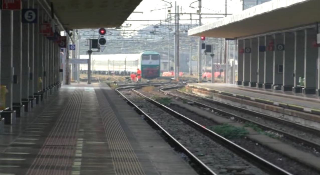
158, 10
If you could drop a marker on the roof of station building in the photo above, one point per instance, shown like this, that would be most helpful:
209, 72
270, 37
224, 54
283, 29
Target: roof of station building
79, 14
271, 16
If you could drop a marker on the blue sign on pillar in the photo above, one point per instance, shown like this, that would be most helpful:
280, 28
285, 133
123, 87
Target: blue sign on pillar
262, 48
72, 47
29, 15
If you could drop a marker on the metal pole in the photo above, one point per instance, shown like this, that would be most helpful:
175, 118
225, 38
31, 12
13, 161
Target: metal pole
178, 44
169, 68
205, 62
225, 60
89, 63
200, 45
226, 8
190, 61
67, 64
233, 70
125, 66
212, 68
221, 55
318, 32
234, 62
78, 66
176, 40
108, 66
74, 76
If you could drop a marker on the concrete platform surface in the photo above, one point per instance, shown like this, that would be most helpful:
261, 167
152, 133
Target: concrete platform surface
86, 129
277, 96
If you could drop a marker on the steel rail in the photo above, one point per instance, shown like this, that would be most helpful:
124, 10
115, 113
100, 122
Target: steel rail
284, 122
204, 169
247, 155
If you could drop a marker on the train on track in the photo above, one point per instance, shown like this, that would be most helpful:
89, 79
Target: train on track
149, 62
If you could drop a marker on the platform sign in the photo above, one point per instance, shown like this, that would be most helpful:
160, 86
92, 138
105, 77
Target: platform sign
247, 50
72, 47
46, 29
11, 4
63, 42
280, 47
29, 15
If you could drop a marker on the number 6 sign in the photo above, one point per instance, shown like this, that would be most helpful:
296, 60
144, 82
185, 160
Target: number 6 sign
29, 15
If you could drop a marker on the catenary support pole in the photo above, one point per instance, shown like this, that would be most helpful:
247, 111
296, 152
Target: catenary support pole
176, 44
200, 45
190, 61
212, 68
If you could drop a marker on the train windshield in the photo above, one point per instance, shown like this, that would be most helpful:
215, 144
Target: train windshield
155, 57
145, 57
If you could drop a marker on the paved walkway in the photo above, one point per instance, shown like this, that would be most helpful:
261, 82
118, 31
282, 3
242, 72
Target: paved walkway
306, 101
86, 130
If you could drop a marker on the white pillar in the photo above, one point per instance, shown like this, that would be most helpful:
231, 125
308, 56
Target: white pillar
278, 56
288, 62
246, 63
31, 58
254, 62
7, 55
268, 64
261, 55
240, 61
310, 60
25, 62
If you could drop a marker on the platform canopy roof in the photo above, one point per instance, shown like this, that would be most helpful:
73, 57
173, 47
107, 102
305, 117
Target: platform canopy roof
79, 14
271, 16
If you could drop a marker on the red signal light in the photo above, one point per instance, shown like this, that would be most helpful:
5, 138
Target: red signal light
203, 38
102, 31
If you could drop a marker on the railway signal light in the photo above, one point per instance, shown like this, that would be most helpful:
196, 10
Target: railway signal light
203, 38
102, 41
102, 31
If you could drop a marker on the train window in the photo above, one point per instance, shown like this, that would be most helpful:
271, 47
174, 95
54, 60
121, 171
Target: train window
155, 57
145, 57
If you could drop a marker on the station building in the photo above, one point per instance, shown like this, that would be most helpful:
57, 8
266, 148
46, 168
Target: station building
278, 44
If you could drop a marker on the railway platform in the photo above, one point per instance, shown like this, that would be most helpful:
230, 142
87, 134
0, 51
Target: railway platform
86, 129
299, 102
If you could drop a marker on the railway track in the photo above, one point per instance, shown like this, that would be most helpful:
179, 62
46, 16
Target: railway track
285, 128
292, 134
194, 139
